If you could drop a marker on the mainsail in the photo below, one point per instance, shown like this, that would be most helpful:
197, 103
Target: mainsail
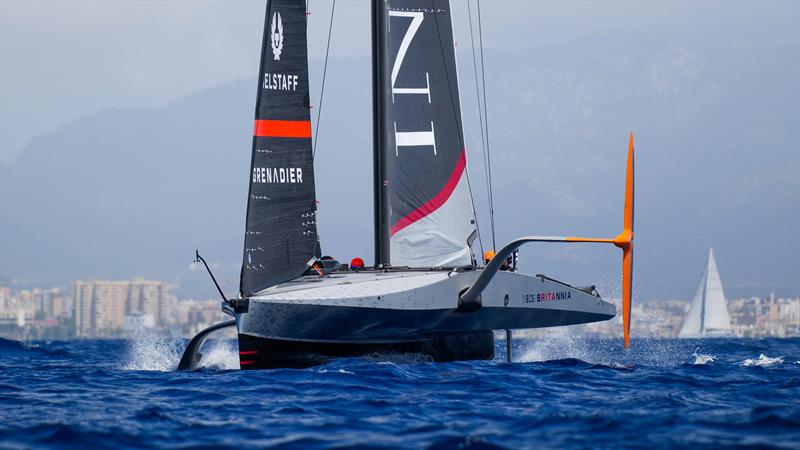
281, 233
429, 216
708, 316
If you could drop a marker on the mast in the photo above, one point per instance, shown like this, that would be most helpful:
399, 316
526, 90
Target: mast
381, 193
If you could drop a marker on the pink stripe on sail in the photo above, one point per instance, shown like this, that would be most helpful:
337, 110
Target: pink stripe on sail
438, 200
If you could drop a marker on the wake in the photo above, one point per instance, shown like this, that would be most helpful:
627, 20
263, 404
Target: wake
160, 351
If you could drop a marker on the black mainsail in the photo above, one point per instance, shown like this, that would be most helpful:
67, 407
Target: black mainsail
428, 215
281, 231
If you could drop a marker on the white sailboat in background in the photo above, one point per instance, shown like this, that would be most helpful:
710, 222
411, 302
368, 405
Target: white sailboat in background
708, 316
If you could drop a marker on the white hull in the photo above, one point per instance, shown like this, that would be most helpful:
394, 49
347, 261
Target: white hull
399, 306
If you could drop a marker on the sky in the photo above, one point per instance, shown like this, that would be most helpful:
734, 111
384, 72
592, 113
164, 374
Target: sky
696, 80
62, 60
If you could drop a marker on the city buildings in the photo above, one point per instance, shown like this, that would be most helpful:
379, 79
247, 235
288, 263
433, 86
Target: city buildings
750, 318
35, 314
104, 309
107, 308
764, 317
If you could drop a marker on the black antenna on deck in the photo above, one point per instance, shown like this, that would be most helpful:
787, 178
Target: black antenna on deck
198, 258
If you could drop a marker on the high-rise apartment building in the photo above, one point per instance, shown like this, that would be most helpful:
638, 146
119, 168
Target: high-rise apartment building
101, 306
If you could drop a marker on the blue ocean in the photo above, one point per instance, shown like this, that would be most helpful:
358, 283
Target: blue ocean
561, 391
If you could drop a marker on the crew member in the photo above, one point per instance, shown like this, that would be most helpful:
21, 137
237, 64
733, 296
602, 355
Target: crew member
489, 255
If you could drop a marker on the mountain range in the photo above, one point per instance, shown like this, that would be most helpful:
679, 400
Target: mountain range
132, 192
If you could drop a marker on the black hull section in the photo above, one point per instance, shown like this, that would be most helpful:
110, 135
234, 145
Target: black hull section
261, 353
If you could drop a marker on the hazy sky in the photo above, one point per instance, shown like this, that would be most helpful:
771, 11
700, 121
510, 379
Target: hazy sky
60, 60
712, 89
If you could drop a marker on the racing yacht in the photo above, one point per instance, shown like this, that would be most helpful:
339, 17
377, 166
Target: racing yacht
426, 292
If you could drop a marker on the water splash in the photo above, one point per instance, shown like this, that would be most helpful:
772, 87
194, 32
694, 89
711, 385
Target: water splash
701, 359
153, 350
763, 361
221, 354
563, 344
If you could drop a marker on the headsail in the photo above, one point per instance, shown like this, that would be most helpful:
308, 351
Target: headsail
708, 315
281, 234
692, 324
430, 213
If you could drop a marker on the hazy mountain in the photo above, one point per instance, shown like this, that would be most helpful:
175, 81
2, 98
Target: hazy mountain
132, 191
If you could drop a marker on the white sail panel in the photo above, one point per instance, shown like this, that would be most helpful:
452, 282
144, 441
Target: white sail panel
692, 323
717, 317
433, 239
430, 214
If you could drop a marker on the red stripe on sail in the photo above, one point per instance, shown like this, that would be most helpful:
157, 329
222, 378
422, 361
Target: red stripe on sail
282, 128
438, 200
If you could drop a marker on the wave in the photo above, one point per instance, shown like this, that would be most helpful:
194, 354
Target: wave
702, 359
355, 402
11, 347
397, 358
763, 361
10, 344
602, 351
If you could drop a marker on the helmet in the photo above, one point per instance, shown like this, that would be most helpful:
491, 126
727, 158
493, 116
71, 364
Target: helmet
357, 263
488, 255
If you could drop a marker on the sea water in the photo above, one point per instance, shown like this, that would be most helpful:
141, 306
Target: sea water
561, 391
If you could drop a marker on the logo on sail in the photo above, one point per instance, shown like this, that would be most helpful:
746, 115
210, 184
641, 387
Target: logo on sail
277, 175
276, 35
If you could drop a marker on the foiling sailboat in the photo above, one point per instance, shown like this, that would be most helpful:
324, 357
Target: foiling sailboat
708, 316
426, 292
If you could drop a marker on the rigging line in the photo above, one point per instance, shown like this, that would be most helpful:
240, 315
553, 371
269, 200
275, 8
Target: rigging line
486, 121
480, 110
324, 74
472, 200
456, 114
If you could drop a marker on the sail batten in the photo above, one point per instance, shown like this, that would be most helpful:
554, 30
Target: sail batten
281, 231
430, 213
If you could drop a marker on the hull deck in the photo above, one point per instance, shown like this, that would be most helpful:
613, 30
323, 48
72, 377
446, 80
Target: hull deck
309, 320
